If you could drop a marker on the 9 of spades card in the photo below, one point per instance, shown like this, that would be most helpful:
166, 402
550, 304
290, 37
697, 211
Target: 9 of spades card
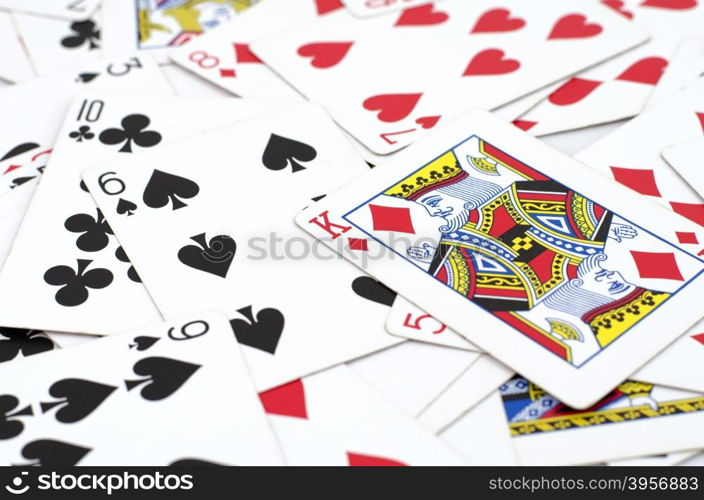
65, 256
564, 276
80, 410
221, 236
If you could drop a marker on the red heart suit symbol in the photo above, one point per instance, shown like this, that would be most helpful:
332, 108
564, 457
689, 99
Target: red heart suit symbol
497, 20
619, 7
392, 107
428, 121
491, 62
573, 91
425, 15
325, 54
648, 71
670, 4
574, 26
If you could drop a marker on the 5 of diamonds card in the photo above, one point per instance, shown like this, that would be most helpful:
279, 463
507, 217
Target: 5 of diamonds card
559, 273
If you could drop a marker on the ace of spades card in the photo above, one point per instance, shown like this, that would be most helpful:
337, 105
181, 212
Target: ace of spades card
66, 256
208, 237
525, 252
81, 410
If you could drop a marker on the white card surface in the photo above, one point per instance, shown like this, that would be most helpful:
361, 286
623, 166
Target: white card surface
56, 44
290, 300
315, 426
64, 9
15, 65
685, 66
63, 226
479, 193
413, 374
686, 158
474, 385
417, 84
81, 410
368, 8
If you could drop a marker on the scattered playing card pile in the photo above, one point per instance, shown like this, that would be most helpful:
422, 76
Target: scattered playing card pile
323, 232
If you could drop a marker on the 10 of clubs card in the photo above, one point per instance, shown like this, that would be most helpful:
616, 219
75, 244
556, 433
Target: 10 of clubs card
528, 254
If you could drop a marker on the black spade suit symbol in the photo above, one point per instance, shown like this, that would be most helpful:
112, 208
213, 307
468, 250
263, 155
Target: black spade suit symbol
262, 333
371, 289
126, 207
51, 453
163, 187
163, 376
281, 151
78, 398
9, 427
143, 343
214, 257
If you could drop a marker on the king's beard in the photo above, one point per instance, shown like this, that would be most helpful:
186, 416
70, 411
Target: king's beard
455, 221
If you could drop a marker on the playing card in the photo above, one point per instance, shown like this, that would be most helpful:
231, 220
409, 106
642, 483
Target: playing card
53, 95
16, 344
22, 168
64, 9
686, 158
222, 247
64, 340
411, 375
14, 64
481, 226
409, 321
159, 26
481, 56
367, 8
474, 385
686, 65
697, 460
481, 434
574, 141
56, 44
81, 410
654, 461
13, 207
186, 86
65, 257
223, 56
621, 87
635, 419
632, 156
315, 426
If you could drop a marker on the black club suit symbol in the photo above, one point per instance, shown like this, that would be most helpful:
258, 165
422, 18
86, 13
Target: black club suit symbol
75, 284
132, 131
83, 132
83, 32
95, 231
